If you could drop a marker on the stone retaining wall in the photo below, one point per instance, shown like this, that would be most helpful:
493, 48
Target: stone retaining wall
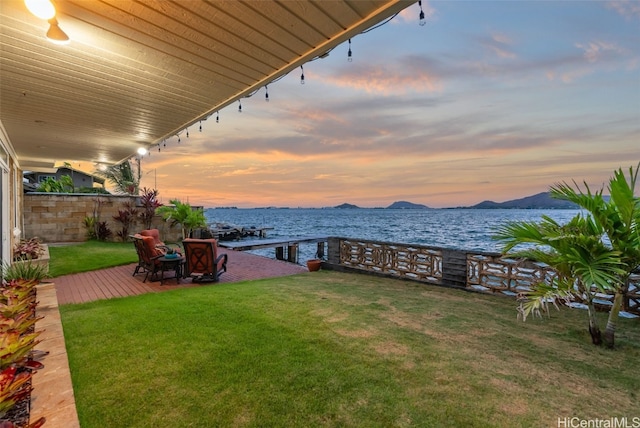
59, 217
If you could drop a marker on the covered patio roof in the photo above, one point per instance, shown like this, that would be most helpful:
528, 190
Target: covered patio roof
138, 71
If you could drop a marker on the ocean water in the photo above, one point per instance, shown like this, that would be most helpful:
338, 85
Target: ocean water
467, 229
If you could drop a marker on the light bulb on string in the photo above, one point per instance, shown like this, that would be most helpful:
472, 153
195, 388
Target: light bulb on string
187, 132
200, 128
302, 75
239, 106
158, 148
349, 57
164, 143
266, 93
422, 21
178, 137
217, 117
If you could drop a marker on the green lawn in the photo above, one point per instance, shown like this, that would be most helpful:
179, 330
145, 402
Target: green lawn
88, 256
333, 349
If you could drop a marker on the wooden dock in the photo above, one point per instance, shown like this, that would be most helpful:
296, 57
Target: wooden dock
286, 248
237, 232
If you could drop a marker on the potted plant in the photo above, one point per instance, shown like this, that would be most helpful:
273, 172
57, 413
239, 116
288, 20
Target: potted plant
314, 264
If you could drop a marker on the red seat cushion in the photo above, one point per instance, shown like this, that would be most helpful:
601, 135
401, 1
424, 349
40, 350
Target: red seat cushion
155, 234
150, 245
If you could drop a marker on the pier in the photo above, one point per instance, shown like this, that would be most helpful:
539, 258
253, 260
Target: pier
232, 232
286, 248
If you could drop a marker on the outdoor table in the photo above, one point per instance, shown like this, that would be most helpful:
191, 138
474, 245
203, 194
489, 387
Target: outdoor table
171, 263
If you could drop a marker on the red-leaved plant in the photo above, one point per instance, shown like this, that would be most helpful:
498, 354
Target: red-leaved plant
28, 249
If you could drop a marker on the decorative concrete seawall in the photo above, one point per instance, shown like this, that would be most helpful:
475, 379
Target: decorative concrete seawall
473, 270
59, 217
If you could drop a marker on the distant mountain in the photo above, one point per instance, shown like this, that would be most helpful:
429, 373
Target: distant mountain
404, 205
539, 201
347, 206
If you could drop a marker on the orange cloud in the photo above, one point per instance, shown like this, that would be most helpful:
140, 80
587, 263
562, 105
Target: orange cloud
388, 79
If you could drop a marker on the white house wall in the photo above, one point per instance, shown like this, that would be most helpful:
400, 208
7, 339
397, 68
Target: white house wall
10, 196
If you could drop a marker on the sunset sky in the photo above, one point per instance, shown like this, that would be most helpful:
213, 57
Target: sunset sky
489, 100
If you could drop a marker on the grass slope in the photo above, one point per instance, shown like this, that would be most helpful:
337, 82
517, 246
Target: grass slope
331, 349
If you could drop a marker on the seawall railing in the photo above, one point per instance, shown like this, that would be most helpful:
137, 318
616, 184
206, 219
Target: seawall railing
471, 270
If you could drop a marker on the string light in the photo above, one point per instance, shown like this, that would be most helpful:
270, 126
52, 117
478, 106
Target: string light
422, 21
164, 143
158, 148
187, 132
349, 57
200, 126
266, 93
239, 106
178, 135
217, 117
302, 76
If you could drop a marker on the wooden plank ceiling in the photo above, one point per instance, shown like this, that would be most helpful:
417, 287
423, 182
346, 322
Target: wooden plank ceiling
138, 71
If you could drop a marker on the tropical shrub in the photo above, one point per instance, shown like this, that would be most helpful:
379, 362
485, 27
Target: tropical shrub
123, 177
150, 203
578, 255
126, 217
51, 185
593, 253
184, 215
103, 233
17, 340
98, 190
619, 219
90, 225
28, 249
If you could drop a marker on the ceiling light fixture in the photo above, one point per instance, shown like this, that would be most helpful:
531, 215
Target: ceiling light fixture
55, 33
43, 9
142, 151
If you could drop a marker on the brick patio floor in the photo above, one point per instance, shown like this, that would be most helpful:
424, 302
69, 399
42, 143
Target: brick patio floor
119, 282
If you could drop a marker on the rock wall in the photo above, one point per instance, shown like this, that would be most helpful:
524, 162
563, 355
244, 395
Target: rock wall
58, 217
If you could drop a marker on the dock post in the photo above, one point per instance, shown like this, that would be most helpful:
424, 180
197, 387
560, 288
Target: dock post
320, 250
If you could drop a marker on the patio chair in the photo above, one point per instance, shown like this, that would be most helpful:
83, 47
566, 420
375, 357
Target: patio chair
148, 256
155, 234
203, 264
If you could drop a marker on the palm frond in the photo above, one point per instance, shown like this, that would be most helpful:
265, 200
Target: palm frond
537, 300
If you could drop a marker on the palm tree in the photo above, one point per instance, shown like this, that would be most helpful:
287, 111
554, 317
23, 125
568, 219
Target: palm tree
578, 255
619, 218
182, 214
123, 178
